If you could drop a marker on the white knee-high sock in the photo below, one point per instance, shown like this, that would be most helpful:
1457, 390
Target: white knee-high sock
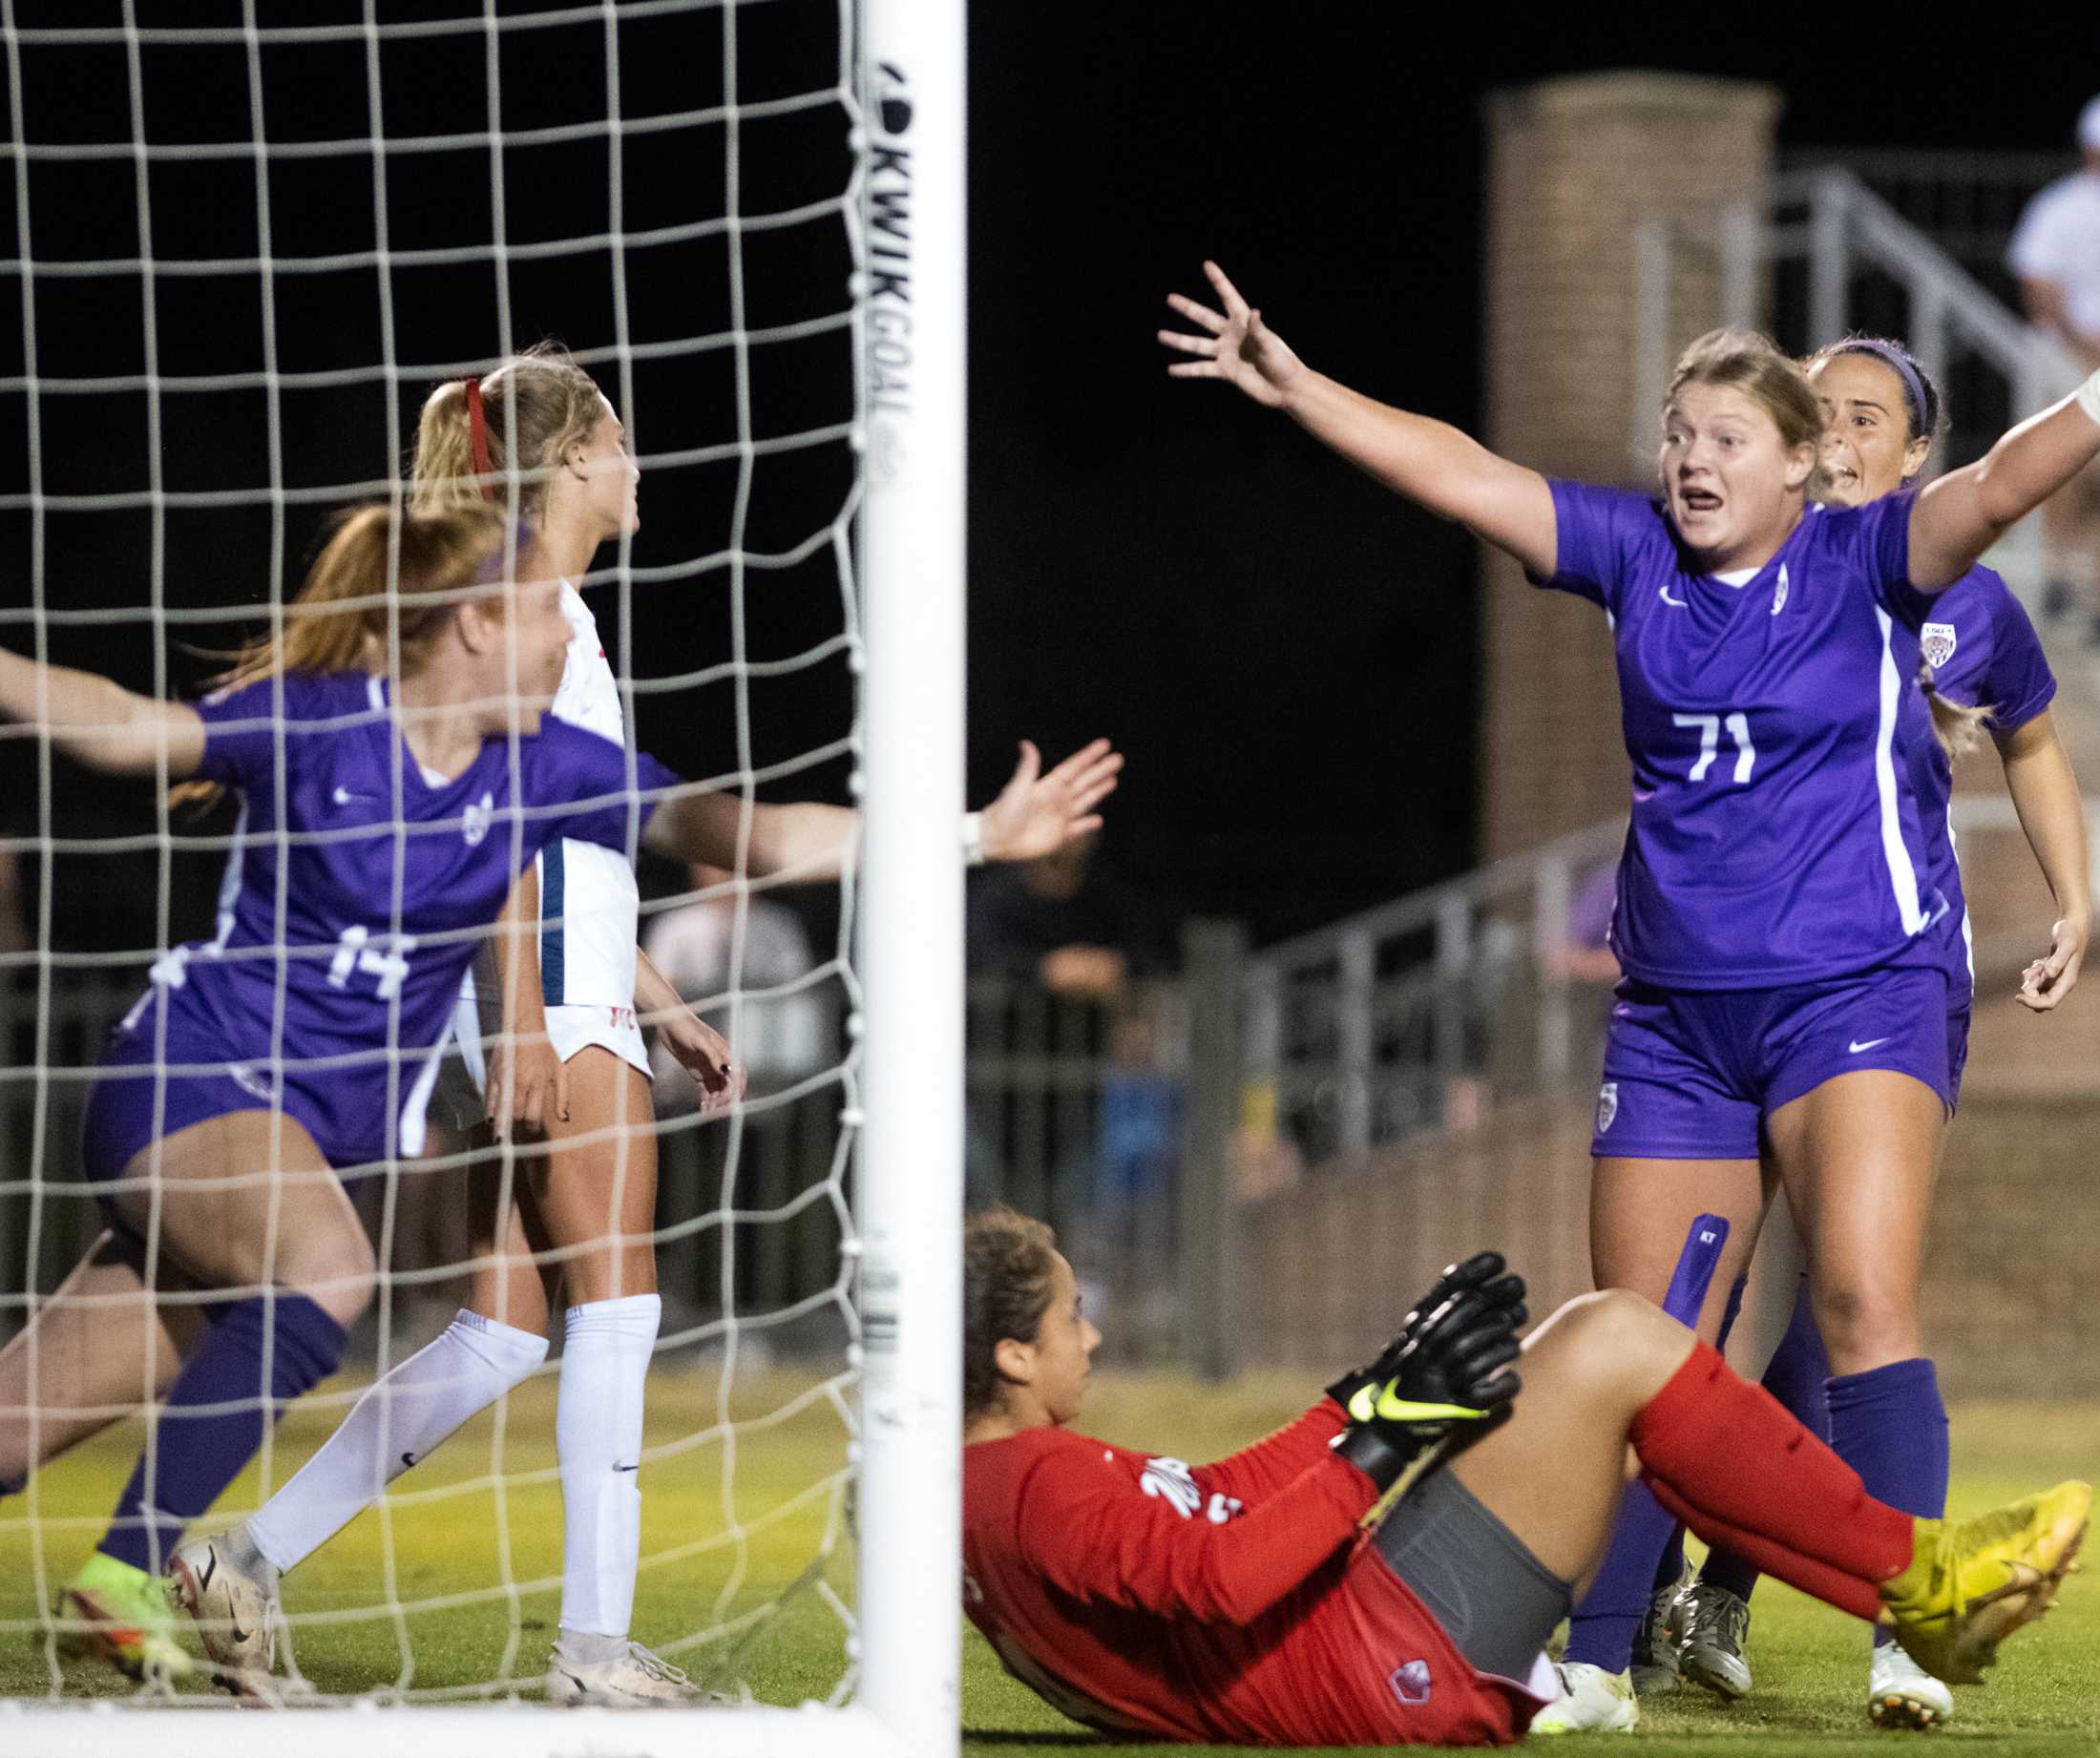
473, 1362
605, 1355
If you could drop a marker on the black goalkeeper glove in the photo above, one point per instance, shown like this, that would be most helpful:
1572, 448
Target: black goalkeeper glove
1450, 1372
1482, 1271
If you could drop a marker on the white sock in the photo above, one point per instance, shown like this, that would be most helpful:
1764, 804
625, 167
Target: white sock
605, 1355
473, 1362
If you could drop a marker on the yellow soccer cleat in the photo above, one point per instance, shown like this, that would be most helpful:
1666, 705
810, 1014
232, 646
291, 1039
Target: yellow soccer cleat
1970, 1584
123, 1615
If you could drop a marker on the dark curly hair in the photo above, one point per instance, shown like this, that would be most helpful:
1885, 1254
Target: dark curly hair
1007, 1262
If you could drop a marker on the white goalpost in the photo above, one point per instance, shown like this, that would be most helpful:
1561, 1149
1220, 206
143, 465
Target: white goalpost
791, 364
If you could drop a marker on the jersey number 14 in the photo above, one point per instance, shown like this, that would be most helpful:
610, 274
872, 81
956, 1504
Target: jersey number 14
353, 951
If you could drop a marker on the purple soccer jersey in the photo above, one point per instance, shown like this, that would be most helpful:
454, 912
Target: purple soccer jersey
361, 913
1777, 829
1984, 653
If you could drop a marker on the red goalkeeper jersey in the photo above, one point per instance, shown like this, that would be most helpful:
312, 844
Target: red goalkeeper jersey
1234, 1602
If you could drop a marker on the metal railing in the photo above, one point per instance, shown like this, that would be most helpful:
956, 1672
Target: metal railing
1426, 1011
1827, 255
1967, 202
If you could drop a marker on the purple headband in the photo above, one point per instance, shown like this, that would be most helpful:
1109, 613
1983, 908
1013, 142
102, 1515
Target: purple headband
1892, 356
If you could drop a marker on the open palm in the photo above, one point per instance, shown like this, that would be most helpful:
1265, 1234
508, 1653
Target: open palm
1237, 346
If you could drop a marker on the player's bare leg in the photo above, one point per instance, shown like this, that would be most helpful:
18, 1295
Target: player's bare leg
103, 1347
1588, 1371
1860, 1155
1639, 1211
595, 1189
247, 1200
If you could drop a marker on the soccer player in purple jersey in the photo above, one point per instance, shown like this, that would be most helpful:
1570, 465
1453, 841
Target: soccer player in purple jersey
1986, 672
386, 809
1785, 952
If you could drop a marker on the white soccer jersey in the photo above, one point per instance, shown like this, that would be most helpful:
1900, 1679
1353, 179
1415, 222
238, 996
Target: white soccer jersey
587, 893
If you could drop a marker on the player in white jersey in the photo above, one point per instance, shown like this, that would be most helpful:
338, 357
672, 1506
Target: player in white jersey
561, 1012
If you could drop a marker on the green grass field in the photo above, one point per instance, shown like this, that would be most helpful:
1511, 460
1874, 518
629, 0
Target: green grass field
484, 1611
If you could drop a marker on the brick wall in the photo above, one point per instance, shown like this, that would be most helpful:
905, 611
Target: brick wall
1573, 166
2008, 1304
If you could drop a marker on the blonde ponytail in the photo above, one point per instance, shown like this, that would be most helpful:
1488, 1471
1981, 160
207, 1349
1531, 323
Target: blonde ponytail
382, 571
1959, 730
541, 399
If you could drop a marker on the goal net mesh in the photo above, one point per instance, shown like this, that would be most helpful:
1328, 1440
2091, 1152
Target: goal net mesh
246, 240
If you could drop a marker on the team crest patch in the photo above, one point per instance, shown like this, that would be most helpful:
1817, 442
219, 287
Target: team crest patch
1608, 1105
1937, 640
1779, 592
1410, 1682
476, 824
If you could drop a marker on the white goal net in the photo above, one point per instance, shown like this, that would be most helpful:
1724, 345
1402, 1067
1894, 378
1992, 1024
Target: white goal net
246, 239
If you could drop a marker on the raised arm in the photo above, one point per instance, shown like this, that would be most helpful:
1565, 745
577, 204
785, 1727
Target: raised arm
99, 723
1954, 520
1430, 462
1036, 812
2052, 812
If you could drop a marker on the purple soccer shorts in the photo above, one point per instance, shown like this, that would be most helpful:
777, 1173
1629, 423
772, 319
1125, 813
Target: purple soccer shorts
1692, 1073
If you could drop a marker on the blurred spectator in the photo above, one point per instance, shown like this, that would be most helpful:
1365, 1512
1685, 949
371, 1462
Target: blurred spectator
779, 1038
1057, 920
2055, 252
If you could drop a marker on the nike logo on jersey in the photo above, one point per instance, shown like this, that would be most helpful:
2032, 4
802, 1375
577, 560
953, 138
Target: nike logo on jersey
343, 796
1680, 604
635, 1466
1855, 1047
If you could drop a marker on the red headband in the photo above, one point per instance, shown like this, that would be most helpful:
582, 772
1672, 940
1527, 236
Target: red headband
477, 424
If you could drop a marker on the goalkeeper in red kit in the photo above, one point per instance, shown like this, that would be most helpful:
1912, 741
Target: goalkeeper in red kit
1249, 1602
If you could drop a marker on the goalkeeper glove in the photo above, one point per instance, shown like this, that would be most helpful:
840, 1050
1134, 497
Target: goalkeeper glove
1452, 1373
1482, 1270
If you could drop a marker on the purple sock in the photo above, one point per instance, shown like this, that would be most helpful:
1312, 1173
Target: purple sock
1796, 1378
1602, 1627
213, 1419
1889, 1425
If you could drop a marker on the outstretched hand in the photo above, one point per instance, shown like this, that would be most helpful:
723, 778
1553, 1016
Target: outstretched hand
1482, 1272
1237, 346
2050, 978
1038, 813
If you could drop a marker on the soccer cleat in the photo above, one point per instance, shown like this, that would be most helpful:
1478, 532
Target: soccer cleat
125, 1617
629, 1680
1655, 1645
1591, 1701
1900, 1693
235, 1610
1712, 1626
1970, 1584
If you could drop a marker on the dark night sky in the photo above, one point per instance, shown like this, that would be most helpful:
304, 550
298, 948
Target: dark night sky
1286, 653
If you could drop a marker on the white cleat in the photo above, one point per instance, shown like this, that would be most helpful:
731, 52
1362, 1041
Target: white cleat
1591, 1701
632, 1678
1900, 1693
235, 1610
